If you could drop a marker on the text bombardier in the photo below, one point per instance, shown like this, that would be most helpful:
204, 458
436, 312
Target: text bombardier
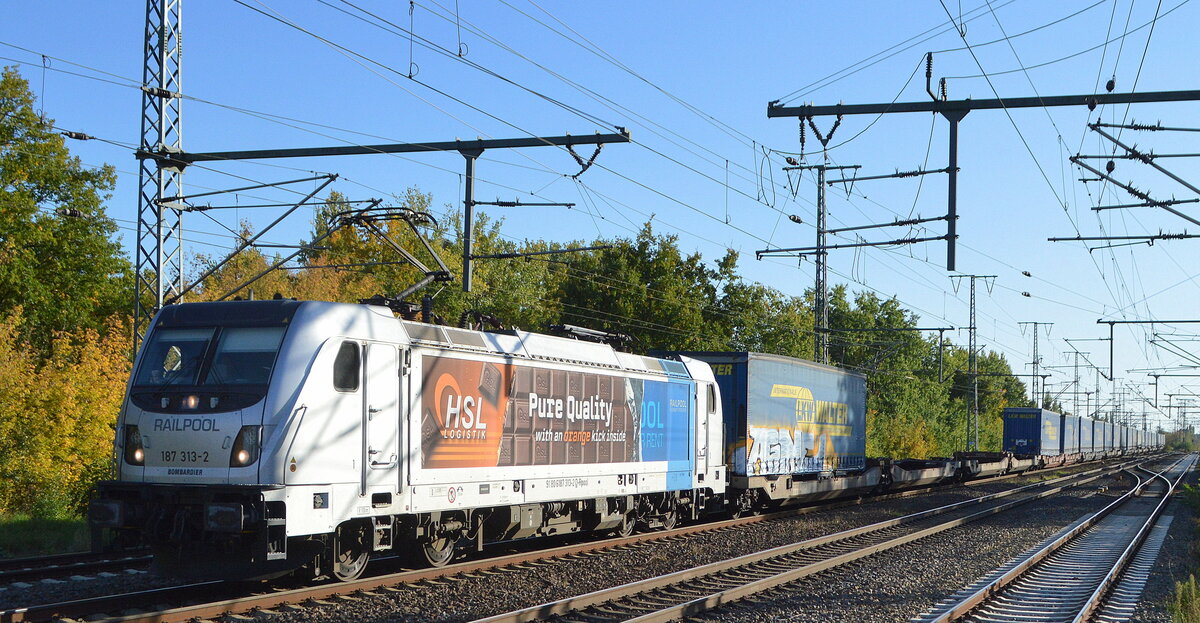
593, 408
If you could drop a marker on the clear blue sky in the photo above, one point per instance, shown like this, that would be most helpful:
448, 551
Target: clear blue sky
692, 82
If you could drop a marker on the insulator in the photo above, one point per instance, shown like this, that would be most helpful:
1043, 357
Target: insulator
160, 92
1110, 166
427, 309
928, 65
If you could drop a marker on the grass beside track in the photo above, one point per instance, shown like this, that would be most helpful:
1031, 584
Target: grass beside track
26, 536
1185, 606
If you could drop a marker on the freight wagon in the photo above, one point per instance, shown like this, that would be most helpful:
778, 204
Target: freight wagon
1086, 428
1069, 435
794, 429
1029, 431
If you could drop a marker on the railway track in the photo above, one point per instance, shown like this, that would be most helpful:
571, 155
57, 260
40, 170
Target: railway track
693, 591
38, 568
1070, 578
213, 599
58, 566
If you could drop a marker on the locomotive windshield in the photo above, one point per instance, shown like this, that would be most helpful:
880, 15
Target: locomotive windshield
209, 356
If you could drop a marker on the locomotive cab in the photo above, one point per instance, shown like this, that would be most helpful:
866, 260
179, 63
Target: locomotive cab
192, 482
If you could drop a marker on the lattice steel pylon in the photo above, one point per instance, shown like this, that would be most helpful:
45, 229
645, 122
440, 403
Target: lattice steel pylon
159, 252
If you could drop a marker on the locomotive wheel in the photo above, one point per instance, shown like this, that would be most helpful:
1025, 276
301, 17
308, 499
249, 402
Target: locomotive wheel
438, 552
626, 527
670, 519
350, 553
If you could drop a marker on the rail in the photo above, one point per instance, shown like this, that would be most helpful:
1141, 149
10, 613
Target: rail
964, 607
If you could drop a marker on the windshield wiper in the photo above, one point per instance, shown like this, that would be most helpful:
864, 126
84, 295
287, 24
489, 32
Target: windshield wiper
171, 375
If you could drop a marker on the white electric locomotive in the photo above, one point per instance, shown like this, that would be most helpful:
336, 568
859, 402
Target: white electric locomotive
263, 437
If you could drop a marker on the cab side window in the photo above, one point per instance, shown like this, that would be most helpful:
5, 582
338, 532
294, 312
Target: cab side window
346, 367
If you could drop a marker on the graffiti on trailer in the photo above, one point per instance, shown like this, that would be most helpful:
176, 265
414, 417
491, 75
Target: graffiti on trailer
805, 445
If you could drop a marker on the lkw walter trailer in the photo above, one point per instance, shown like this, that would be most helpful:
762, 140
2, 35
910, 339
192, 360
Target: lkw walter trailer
794, 429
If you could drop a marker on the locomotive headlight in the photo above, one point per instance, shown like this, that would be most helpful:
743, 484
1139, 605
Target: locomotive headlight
245, 447
134, 454
191, 402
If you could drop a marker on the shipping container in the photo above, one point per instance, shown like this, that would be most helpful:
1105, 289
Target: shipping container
1110, 437
1032, 431
1086, 435
1069, 438
787, 416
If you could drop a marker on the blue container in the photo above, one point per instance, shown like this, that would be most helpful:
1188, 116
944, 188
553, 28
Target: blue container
1069, 439
1086, 434
1029, 431
789, 416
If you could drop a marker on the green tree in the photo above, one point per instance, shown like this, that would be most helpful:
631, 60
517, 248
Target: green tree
58, 257
758, 318
648, 289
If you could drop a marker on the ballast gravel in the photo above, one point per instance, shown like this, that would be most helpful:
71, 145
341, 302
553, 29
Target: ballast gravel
907, 582
109, 583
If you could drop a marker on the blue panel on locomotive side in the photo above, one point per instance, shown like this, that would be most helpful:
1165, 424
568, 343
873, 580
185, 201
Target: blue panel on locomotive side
668, 428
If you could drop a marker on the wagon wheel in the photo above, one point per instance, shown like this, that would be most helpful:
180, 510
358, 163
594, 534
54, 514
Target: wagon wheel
350, 552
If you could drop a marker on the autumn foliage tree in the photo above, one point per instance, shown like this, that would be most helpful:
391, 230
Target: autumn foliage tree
57, 415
